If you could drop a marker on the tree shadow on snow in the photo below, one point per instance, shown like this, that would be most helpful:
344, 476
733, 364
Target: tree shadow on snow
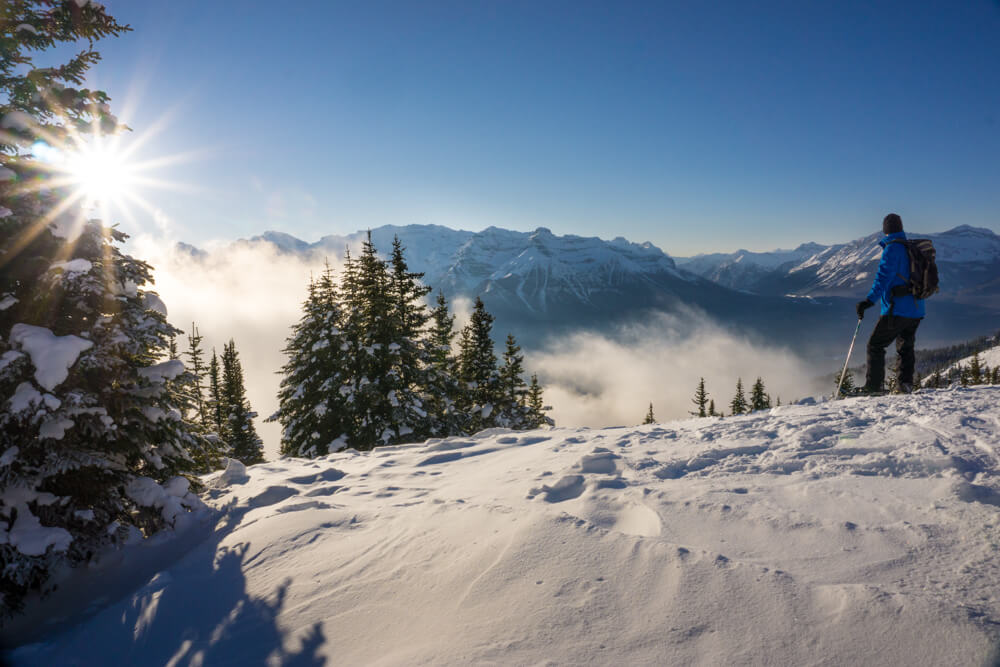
196, 612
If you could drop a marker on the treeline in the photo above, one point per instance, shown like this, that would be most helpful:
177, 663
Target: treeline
740, 404
974, 373
935, 359
369, 364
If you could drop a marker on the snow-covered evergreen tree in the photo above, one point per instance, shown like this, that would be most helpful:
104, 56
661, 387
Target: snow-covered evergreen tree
512, 409
739, 404
700, 399
441, 382
88, 424
383, 319
409, 351
477, 370
312, 399
238, 432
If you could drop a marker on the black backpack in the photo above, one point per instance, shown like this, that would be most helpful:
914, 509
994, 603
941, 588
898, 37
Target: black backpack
923, 269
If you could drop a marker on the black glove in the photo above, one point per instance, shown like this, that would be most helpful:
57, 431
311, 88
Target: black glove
862, 307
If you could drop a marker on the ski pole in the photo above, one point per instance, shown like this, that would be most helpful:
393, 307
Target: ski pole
848, 359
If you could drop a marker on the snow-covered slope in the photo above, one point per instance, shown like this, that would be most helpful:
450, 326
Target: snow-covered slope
861, 531
989, 357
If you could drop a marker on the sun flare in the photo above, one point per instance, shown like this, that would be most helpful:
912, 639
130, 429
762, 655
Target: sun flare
101, 174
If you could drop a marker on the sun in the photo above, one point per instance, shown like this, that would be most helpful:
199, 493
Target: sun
101, 174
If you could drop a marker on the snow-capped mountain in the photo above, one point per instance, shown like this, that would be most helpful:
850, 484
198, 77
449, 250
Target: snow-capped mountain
744, 268
533, 280
968, 261
540, 285
532, 266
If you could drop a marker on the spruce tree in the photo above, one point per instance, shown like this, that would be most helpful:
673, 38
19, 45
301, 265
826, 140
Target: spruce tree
536, 405
700, 399
738, 405
711, 409
847, 385
312, 406
759, 400
441, 386
196, 365
410, 353
89, 431
996, 374
238, 429
512, 410
650, 418
975, 373
477, 371
214, 405
383, 324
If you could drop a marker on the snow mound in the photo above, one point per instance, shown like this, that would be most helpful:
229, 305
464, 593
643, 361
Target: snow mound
861, 531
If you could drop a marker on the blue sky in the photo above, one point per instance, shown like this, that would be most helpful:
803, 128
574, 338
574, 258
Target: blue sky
699, 126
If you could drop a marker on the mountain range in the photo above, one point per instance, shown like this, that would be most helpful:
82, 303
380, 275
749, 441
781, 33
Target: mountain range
968, 261
541, 285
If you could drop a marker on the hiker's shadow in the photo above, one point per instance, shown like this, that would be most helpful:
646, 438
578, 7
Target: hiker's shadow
197, 612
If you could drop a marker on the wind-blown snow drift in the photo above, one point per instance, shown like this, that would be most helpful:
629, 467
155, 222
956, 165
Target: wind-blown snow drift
861, 531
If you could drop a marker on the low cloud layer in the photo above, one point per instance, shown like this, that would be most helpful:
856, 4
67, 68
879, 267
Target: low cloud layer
254, 295
601, 380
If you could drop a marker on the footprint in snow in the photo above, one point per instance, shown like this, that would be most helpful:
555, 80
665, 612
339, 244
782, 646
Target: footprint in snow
567, 488
271, 495
328, 475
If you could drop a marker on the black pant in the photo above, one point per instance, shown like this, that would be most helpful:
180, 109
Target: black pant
889, 328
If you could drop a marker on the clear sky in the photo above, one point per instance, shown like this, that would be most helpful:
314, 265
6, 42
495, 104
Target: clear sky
699, 126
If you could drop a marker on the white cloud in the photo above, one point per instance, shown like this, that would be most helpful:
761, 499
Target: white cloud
601, 380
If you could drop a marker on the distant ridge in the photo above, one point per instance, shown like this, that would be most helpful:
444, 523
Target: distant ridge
541, 285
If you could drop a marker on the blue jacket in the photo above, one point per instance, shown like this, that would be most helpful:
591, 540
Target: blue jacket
893, 270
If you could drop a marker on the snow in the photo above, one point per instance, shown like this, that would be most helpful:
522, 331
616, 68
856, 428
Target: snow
79, 265
165, 370
8, 456
7, 302
153, 302
31, 538
54, 429
51, 355
25, 397
4, 212
860, 531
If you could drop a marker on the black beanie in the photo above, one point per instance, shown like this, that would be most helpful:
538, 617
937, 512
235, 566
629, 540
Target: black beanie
891, 224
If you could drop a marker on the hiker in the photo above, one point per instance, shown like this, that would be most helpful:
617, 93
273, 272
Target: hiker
901, 312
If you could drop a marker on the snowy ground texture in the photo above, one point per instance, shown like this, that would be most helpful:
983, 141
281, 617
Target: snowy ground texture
862, 531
